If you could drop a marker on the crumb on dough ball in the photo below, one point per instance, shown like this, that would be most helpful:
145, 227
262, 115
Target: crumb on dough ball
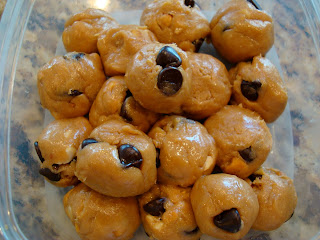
225, 206
99, 217
240, 31
257, 85
57, 147
82, 30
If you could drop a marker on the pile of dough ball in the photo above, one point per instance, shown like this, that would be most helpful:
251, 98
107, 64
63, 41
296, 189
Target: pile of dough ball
149, 130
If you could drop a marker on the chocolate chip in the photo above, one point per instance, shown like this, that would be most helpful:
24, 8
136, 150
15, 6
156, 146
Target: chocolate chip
124, 112
78, 56
129, 156
228, 220
74, 93
158, 163
194, 231
255, 4
250, 89
216, 170
198, 44
253, 177
167, 56
55, 166
55, 177
262, 236
36, 146
247, 154
155, 207
170, 81
87, 142
189, 3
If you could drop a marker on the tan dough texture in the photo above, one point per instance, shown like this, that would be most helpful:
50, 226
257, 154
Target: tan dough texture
69, 84
99, 217
210, 87
272, 95
236, 129
177, 222
83, 29
277, 198
213, 194
174, 22
239, 31
142, 77
99, 166
117, 46
187, 151
58, 144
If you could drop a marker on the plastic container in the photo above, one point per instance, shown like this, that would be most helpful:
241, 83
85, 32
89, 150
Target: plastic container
30, 35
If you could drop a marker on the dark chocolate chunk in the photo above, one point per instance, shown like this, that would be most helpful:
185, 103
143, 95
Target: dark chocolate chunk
170, 81
158, 163
155, 207
228, 220
255, 4
130, 156
55, 166
167, 56
77, 56
74, 93
36, 146
198, 44
189, 3
262, 236
253, 177
250, 89
87, 142
216, 170
55, 177
194, 231
124, 112
247, 154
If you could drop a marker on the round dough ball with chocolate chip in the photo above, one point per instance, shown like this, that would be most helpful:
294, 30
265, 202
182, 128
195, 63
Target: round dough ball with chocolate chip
83, 29
243, 139
99, 217
186, 151
257, 85
114, 100
159, 78
225, 206
117, 160
240, 31
57, 146
69, 84
177, 21
276, 195
117, 46
210, 87
166, 213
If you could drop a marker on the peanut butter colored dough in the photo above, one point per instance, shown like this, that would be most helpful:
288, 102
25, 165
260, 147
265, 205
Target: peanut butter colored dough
172, 21
69, 84
186, 150
99, 217
100, 165
214, 195
113, 101
276, 195
242, 137
57, 146
171, 217
142, 80
117, 46
210, 87
83, 29
261, 81
239, 31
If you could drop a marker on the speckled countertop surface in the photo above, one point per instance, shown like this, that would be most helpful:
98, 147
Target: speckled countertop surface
300, 65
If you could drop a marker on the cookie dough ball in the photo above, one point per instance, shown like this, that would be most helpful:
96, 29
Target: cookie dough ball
210, 87
185, 150
243, 140
69, 84
276, 195
225, 206
257, 85
114, 100
240, 31
82, 30
159, 78
177, 21
118, 45
117, 160
166, 213
57, 146
99, 217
